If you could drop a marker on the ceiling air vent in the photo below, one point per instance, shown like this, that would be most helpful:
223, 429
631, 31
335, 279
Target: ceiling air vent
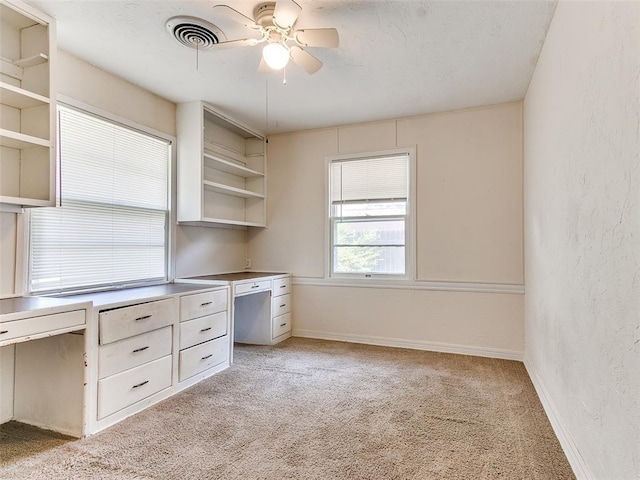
194, 32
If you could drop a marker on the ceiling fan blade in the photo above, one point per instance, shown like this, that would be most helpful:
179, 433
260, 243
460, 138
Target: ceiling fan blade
305, 60
244, 42
318, 37
237, 16
286, 13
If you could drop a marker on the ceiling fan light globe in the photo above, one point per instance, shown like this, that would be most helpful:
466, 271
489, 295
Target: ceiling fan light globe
275, 55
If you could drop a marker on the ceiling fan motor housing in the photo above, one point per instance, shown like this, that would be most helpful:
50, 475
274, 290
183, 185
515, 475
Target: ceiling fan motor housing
263, 14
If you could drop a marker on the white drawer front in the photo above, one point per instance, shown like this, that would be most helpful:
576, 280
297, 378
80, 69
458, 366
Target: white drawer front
252, 287
129, 321
123, 389
124, 354
202, 329
281, 286
281, 325
44, 323
280, 305
201, 304
201, 357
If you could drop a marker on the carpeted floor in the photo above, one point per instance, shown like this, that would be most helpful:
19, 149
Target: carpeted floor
312, 409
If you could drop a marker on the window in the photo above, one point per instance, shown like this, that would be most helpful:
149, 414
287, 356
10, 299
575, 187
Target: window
369, 212
112, 226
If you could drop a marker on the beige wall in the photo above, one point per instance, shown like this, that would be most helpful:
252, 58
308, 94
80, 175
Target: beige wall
582, 212
469, 229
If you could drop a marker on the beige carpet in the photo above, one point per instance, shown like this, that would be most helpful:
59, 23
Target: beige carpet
311, 409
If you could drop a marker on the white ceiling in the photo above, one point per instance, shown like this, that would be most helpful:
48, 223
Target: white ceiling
396, 58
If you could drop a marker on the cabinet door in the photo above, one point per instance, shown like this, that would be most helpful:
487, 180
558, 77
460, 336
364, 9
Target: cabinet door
129, 321
126, 388
133, 351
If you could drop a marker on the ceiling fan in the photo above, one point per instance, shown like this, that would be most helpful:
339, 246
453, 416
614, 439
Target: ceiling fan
273, 22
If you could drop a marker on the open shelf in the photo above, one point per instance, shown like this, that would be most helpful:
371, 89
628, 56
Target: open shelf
19, 97
221, 169
27, 107
11, 139
230, 167
228, 190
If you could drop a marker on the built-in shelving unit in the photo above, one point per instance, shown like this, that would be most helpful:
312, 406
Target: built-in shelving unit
27, 111
221, 169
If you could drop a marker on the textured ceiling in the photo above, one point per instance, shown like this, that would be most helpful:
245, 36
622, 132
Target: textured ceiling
396, 58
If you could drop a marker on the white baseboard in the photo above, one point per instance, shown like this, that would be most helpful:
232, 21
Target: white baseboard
412, 344
580, 468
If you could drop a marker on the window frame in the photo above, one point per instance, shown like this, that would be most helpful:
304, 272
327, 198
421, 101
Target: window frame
169, 261
410, 230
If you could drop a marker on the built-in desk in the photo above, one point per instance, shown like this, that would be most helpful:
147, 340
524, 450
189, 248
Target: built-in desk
261, 312
43, 374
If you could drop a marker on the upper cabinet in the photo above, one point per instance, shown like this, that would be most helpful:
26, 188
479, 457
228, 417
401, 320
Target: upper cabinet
221, 169
27, 107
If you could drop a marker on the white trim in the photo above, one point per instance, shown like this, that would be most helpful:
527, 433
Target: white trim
580, 468
512, 289
412, 344
112, 117
410, 230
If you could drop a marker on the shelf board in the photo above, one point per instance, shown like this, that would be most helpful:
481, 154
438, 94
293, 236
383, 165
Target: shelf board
11, 139
31, 61
19, 97
225, 152
227, 190
19, 202
230, 167
224, 221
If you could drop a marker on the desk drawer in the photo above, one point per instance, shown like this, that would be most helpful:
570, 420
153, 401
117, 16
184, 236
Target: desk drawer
41, 324
124, 354
201, 304
252, 287
280, 305
202, 329
281, 325
201, 357
129, 321
281, 286
123, 389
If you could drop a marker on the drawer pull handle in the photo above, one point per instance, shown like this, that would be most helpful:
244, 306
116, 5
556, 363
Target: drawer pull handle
141, 384
207, 356
206, 329
255, 286
205, 304
141, 349
3, 332
143, 318
283, 324
283, 305
283, 286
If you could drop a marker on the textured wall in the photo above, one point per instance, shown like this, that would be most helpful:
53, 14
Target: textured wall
582, 231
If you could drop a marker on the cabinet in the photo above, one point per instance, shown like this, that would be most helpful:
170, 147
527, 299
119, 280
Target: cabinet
204, 328
134, 356
27, 107
281, 310
221, 169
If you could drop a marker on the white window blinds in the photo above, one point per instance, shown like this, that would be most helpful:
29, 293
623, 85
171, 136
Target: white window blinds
382, 178
111, 228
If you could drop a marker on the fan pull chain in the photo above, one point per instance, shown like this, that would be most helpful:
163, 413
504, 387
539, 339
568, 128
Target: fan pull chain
284, 76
